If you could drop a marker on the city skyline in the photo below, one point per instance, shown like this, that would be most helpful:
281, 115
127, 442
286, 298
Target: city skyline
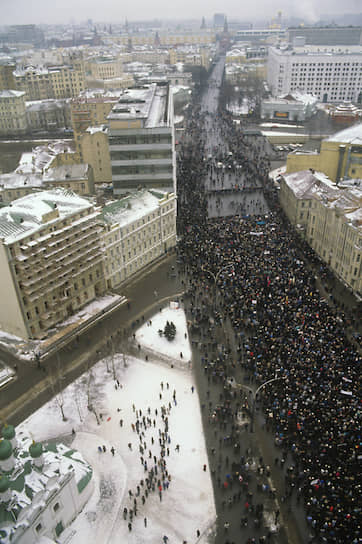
42, 12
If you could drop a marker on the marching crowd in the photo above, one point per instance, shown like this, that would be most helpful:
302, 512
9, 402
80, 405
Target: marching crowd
249, 271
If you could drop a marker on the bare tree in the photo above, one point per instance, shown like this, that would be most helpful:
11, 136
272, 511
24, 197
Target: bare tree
55, 381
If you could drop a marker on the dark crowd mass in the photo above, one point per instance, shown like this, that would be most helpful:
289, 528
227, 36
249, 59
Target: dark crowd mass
244, 266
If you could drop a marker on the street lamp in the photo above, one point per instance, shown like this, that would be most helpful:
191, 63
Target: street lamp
255, 394
216, 276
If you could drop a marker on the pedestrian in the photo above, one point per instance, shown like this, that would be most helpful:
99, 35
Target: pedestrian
165, 539
198, 533
104, 448
145, 522
112, 450
130, 526
204, 468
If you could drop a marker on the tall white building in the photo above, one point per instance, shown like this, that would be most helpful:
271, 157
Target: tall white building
331, 73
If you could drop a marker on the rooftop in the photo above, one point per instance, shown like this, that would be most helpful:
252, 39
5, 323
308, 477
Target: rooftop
67, 172
148, 102
350, 135
28, 214
132, 207
31, 487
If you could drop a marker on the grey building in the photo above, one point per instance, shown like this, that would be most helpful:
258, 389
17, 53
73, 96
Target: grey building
325, 35
141, 139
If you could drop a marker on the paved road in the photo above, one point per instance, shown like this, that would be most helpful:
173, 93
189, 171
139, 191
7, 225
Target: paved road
32, 388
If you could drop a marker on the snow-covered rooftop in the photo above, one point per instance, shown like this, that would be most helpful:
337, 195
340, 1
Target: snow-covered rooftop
306, 184
27, 215
148, 102
350, 135
14, 180
132, 207
31, 487
11, 94
67, 172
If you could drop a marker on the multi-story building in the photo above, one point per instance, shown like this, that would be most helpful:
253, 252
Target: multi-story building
105, 68
138, 229
332, 74
141, 139
330, 219
94, 150
326, 35
7, 68
51, 261
340, 156
77, 178
52, 82
12, 113
91, 109
48, 114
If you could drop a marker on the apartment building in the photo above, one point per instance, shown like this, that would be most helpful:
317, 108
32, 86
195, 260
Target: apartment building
330, 219
105, 68
94, 150
51, 261
77, 178
91, 109
40, 83
333, 74
12, 113
141, 139
138, 229
7, 68
340, 156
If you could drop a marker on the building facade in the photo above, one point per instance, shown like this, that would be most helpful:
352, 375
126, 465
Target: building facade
91, 109
12, 113
94, 150
332, 74
340, 156
334, 35
329, 218
291, 107
138, 229
40, 83
141, 139
50, 261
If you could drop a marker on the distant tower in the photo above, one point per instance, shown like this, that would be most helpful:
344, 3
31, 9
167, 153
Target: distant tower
203, 23
157, 41
226, 28
129, 45
126, 25
280, 19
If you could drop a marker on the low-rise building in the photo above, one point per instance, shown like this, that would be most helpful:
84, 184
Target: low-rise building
90, 109
42, 488
138, 229
51, 261
340, 156
77, 178
291, 107
12, 113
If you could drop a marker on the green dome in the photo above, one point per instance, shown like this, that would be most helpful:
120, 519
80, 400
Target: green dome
6, 450
4, 483
8, 432
35, 450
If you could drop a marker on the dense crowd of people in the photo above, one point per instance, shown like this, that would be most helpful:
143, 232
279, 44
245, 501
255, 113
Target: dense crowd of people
248, 270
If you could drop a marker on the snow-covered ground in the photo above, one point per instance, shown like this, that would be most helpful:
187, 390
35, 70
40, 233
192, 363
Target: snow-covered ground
188, 504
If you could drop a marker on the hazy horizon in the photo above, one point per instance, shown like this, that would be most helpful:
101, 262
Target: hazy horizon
108, 11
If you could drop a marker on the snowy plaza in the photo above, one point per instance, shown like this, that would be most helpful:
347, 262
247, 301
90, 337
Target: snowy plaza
142, 388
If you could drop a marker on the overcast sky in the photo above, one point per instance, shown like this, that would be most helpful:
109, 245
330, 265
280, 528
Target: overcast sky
65, 11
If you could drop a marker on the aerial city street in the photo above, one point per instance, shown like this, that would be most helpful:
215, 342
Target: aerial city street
197, 189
